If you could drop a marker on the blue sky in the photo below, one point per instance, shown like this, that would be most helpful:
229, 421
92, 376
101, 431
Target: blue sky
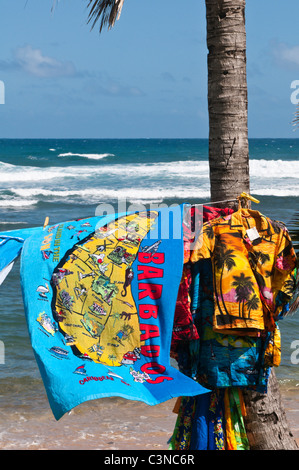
147, 77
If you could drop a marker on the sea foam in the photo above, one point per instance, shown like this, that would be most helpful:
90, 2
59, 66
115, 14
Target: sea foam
91, 156
138, 182
276, 169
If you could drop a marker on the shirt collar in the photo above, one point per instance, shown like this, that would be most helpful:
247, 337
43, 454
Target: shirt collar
238, 221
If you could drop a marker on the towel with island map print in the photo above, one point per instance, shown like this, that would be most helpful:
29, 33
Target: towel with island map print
99, 297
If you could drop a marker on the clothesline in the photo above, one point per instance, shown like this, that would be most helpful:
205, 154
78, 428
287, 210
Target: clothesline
243, 195
217, 202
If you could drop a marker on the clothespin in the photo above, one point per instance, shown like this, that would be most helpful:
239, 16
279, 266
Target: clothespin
247, 197
46, 223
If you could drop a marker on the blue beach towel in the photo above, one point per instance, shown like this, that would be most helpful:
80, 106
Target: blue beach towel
11, 244
99, 297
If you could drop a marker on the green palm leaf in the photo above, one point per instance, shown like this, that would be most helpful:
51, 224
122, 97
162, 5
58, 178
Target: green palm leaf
105, 11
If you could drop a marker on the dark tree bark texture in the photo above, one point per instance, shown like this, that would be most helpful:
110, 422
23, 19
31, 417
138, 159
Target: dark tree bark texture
266, 422
227, 98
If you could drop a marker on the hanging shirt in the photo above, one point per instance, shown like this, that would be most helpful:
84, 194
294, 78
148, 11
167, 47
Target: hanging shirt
252, 260
183, 327
225, 360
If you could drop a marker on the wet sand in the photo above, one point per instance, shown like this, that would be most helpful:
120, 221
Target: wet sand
107, 424
100, 425
290, 401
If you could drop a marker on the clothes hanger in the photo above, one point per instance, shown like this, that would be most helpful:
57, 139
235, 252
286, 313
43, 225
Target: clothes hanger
243, 201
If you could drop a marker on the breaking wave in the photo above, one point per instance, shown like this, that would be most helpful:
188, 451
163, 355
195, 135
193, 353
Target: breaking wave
91, 156
136, 182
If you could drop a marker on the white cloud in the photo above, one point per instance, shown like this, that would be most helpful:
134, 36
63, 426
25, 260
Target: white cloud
111, 87
36, 63
287, 54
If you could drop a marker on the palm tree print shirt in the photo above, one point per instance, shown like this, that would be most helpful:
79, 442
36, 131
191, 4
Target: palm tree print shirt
248, 273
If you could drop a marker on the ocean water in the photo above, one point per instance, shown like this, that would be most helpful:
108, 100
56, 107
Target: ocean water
67, 179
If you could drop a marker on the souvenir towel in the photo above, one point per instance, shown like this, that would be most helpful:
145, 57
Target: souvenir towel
99, 297
11, 244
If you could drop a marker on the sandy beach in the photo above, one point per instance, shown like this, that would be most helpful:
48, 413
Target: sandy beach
106, 424
291, 404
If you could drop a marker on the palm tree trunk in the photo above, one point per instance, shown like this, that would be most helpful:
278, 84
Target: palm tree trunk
243, 307
229, 175
266, 423
227, 98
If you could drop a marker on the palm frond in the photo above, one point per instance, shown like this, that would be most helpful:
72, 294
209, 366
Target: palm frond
105, 11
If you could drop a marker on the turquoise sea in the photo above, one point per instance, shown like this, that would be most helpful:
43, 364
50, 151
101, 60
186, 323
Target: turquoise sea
68, 179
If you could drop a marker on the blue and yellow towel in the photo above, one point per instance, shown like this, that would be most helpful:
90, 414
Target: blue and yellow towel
99, 297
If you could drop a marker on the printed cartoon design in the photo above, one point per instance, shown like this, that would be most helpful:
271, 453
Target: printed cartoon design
47, 324
92, 299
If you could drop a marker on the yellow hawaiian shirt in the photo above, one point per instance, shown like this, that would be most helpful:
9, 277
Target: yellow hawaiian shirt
252, 259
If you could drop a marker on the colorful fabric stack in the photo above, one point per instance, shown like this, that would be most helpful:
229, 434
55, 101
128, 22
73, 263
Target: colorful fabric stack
242, 281
213, 421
